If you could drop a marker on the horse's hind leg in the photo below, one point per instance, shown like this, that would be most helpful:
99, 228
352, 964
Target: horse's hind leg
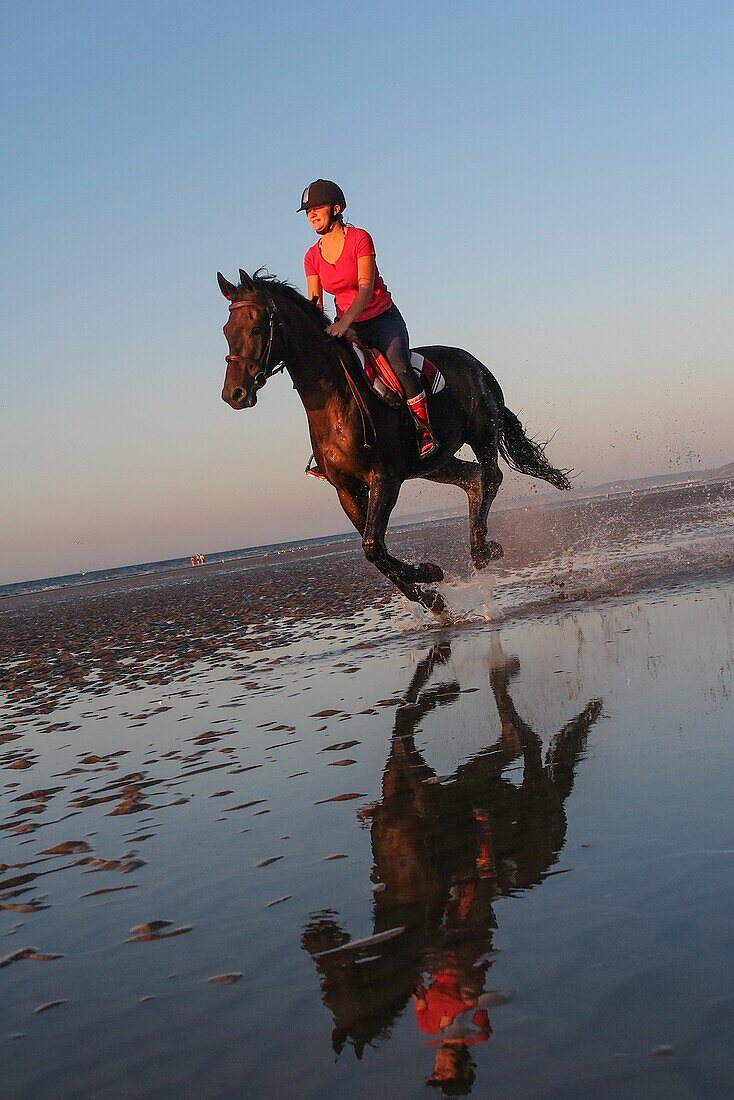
483, 549
480, 481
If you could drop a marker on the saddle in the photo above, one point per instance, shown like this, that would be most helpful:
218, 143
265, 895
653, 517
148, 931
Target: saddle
383, 381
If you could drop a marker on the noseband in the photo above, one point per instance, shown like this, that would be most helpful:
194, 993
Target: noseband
265, 370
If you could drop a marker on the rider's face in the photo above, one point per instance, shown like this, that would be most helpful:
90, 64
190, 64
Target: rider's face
319, 217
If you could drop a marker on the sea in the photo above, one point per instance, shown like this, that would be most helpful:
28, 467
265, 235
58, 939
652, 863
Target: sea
142, 569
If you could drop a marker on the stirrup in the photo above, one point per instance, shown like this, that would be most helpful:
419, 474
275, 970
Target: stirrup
427, 445
313, 470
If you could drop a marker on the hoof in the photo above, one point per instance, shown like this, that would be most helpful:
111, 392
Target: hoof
489, 553
432, 601
429, 571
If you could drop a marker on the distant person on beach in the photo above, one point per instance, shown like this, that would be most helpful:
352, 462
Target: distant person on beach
342, 263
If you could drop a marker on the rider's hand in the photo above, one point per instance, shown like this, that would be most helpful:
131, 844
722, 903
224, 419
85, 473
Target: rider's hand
339, 328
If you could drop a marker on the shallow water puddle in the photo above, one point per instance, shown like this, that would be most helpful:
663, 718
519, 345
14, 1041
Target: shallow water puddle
516, 881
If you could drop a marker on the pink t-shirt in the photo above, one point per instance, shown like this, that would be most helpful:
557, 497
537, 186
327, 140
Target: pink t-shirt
340, 279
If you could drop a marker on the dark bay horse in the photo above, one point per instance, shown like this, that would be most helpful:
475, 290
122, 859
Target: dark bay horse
365, 448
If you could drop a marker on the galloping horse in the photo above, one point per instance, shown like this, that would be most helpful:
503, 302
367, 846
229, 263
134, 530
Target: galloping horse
364, 447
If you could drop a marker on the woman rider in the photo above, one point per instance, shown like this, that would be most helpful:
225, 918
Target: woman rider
342, 263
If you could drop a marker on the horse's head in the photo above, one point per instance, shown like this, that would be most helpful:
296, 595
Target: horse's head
250, 333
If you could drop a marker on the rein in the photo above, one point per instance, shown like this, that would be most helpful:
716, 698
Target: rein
359, 400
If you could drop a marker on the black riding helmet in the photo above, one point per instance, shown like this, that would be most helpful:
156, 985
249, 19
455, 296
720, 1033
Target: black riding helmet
322, 193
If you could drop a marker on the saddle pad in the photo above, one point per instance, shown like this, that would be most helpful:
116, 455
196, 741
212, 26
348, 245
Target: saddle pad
382, 379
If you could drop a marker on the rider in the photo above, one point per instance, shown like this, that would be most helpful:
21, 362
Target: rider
342, 263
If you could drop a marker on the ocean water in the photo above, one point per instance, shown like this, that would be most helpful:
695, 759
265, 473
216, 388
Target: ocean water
142, 569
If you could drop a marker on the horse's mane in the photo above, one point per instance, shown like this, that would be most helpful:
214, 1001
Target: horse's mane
276, 288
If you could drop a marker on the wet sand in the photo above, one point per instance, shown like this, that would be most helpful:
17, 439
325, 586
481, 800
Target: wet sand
265, 830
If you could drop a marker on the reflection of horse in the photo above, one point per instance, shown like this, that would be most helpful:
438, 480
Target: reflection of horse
443, 852
365, 448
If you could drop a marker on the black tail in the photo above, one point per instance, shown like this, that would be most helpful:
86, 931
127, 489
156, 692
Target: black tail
526, 456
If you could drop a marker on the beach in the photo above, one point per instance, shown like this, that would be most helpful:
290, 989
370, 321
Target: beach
267, 829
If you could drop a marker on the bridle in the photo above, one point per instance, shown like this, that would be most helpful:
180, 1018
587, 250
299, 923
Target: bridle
265, 369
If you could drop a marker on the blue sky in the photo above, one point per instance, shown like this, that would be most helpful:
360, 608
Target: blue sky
548, 185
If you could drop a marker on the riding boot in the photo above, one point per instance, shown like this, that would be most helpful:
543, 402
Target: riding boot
418, 408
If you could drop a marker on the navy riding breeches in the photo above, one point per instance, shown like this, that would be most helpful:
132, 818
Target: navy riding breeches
387, 333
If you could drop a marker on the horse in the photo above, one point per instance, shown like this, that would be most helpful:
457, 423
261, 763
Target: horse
364, 447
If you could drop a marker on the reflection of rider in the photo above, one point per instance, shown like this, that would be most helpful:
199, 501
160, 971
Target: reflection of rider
448, 1009
444, 852
447, 998
342, 263
450, 1006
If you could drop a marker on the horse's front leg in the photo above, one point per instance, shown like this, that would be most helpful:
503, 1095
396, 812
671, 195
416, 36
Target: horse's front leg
382, 499
354, 500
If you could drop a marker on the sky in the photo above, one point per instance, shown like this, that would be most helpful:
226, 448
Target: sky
549, 185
